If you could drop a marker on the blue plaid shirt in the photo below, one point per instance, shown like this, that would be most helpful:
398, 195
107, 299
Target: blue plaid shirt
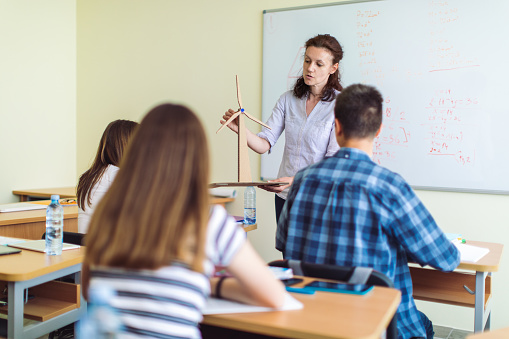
346, 210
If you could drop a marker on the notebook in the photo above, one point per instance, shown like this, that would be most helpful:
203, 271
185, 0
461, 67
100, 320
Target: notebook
8, 250
40, 245
20, 206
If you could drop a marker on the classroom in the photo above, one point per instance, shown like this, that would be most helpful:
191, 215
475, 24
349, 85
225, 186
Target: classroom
69, 67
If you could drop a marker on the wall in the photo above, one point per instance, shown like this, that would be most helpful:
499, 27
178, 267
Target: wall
37, 95
135, 54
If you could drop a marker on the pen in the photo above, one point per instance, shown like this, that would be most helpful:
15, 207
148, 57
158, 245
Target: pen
300, 290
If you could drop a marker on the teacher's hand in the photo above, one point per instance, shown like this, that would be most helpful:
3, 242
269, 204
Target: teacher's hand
278, 189
232, 125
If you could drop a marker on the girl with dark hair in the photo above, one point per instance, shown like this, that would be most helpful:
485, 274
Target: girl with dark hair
306, 113
94, 183
156, 240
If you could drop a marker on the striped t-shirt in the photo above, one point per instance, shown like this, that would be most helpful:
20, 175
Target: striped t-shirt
168, 302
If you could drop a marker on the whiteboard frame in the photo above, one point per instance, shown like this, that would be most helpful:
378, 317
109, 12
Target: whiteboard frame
316, 6
424, 188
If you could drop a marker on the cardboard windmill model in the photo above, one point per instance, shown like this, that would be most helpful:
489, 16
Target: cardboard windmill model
244, 170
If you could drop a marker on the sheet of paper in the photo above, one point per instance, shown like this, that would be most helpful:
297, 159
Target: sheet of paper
469, 253
281, 272
222, 306
9, 240
223, 192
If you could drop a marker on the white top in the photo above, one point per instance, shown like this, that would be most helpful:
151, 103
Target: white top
308, 139
96, 194
168, 302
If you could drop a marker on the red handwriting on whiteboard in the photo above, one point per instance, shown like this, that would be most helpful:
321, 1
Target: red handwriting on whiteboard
366, 45
444, 54
446, 134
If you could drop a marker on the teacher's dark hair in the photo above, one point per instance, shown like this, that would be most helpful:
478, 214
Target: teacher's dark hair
332, 45
359, 111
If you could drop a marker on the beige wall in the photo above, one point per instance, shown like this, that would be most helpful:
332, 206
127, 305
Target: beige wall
37, 95
133, 54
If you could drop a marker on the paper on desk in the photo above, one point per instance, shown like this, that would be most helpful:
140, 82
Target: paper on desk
9, 240
223, 192
222, 306
469, 253
281, 272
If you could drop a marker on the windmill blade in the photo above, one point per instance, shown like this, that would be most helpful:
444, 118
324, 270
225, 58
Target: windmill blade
229, 120
239, 98
255, 120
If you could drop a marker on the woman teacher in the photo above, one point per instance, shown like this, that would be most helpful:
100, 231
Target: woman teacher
306, 113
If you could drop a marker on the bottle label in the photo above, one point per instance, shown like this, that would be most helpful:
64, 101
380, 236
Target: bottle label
249, 216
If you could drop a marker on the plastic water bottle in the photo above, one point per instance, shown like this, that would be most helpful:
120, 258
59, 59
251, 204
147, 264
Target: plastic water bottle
250, 206
102, 321
54, 227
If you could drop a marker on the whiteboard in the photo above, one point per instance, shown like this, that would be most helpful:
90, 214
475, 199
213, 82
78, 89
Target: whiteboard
442, 68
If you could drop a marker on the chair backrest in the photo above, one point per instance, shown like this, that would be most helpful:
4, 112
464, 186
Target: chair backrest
354, 275
340, 273
71, 238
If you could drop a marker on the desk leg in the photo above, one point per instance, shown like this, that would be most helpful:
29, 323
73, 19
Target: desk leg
15, 310
480, 288
83, 303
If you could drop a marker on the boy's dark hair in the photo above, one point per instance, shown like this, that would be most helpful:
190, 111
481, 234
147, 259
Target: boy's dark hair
359, 110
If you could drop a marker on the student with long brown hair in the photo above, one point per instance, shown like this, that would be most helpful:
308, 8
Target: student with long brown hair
155, 239
94, 183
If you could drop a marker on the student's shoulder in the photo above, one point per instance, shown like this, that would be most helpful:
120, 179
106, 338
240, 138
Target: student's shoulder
218, 213
391, 182
110, 172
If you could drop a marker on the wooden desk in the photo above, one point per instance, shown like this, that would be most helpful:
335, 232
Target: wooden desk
55, 305
64, 192
324, 316
448, 288
32, 224
70, 192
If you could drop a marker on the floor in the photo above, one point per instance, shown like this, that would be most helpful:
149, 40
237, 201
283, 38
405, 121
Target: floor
442, 332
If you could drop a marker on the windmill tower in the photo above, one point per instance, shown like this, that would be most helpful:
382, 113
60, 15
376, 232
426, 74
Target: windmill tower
244, 169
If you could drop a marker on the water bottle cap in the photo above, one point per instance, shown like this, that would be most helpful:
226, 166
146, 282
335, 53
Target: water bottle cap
55, 197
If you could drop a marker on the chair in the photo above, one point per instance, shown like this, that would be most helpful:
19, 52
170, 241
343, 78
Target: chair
353, 275
71, 238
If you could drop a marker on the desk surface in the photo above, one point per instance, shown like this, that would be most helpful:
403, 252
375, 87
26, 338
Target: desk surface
70, 192
24, 217
64, 192
30, 264
488, 263
324, 316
